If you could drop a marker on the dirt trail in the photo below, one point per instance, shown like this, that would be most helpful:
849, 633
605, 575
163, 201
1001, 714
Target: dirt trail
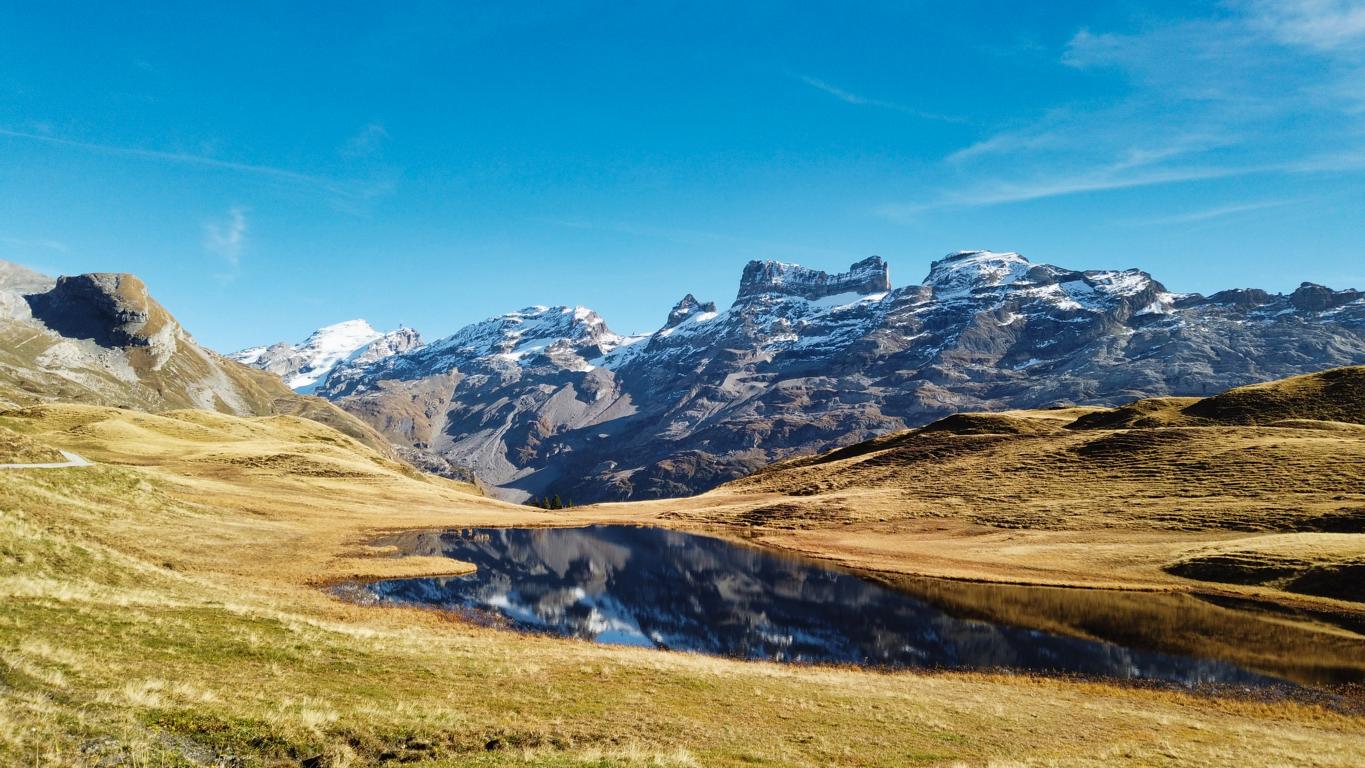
72, 460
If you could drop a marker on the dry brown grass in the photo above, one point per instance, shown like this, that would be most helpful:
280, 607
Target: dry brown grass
22, 449
162, 608
1135, 496
1330, 565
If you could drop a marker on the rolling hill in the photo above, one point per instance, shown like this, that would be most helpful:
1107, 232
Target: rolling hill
1278, 469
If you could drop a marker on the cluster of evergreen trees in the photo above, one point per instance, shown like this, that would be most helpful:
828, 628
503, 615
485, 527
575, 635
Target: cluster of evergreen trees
551, 502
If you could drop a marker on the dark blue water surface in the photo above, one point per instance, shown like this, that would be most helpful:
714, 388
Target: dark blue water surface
666, 589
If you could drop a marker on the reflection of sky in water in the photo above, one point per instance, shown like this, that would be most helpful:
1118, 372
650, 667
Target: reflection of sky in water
657, 588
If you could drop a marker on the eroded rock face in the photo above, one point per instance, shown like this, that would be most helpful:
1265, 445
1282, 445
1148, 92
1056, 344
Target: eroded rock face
109, 308
550, 401
1317, 298
867, 276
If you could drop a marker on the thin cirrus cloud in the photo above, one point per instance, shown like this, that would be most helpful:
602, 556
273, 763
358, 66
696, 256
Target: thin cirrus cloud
346, 194
226, 239
1323, 24
848, 97
1039, 188
1257, 88
1214, 213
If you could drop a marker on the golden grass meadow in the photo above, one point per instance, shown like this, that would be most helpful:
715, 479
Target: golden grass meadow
167, 606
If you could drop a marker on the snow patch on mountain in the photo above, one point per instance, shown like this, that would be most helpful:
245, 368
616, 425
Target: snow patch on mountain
959, 274
529, 333
304, 365
1125, 283
871, 275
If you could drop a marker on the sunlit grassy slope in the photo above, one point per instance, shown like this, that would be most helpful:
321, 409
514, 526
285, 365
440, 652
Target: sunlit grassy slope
1213, 478
163, 608
21, 449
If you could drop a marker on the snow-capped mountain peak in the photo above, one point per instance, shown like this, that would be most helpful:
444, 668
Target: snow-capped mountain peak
958, 274
524, 333
304, 365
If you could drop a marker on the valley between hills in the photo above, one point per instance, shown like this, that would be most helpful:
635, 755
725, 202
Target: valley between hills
183, 598
167, 605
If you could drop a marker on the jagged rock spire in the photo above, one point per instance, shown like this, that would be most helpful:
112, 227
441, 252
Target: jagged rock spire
685, 308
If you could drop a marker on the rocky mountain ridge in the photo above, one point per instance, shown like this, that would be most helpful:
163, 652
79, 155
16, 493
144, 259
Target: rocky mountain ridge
550, 400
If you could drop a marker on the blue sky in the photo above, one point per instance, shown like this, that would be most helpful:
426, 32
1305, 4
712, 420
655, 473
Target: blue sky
269, 169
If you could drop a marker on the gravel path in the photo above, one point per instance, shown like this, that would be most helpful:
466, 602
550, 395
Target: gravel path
72, 460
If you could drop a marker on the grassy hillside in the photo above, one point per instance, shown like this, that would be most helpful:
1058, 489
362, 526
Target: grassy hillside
1260, 487
1336, 395
29, 374
21, 449
1284, 456
163, 608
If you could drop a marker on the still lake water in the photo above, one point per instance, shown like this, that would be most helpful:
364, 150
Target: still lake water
666, 589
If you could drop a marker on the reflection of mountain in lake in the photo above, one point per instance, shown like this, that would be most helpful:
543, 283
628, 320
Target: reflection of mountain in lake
654, 587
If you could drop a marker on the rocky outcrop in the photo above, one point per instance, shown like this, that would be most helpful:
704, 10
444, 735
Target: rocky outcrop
110, 309
1245, 298
550, 401
773, 277
1311, 297
16, 282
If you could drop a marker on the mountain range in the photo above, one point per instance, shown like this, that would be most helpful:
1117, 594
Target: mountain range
550, 400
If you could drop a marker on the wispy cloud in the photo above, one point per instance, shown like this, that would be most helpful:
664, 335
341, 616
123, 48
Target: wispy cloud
366, 142
1110, 178
346, 193
1255, 88
226, 239
848, 97
1217, 212
1007, 142
1322, 24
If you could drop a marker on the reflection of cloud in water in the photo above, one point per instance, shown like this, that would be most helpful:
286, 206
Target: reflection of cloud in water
654, 587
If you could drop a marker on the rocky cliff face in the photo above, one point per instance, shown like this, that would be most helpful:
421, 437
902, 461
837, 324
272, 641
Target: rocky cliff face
867, 276
110, 309
551, 401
